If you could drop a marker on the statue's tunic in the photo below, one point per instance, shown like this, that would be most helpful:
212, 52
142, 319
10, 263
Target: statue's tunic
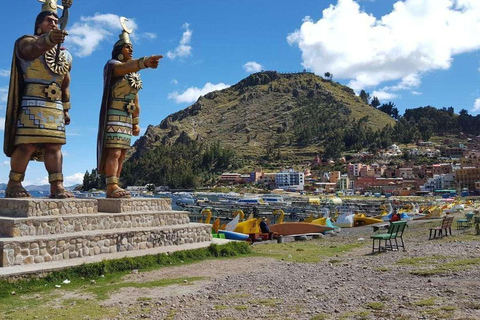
41, 117
118, 105
119, 115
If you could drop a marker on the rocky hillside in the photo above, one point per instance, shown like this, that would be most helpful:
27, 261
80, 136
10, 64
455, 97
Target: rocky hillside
260, 111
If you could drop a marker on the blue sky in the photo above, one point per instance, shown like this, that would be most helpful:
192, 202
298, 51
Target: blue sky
413, 52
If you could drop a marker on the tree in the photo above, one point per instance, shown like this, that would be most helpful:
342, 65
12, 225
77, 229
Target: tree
86, 181
329, 76
390, 109
375, 102
364, 96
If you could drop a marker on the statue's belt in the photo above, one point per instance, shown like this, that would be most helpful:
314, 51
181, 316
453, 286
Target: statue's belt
52, 92
123, 105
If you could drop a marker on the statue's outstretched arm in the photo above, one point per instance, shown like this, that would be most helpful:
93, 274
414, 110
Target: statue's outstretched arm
134, 65
31, 47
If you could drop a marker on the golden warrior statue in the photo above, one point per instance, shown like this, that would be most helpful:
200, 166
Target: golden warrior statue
119, 115
38, 101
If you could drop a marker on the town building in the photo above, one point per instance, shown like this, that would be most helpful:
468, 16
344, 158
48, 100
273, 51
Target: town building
353, 170
440, 182
290, 180
467, 176
343, 183
229, 178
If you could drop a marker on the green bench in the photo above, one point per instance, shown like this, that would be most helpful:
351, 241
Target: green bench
465, 223
394, 232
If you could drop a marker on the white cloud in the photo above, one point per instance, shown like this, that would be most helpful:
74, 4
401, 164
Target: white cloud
5, 163
76, 178
3, 94
252, 67
2, 124
149, 35
476, 105
416, 93
193, 93
183, 49
174, 82
416, 37
86, 35
4, 73
383, 95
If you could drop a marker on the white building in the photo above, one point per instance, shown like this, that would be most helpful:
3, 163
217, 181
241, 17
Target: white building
290, 180
343, 183
440, 182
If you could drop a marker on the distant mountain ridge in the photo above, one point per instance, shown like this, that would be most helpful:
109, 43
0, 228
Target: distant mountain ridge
260, 111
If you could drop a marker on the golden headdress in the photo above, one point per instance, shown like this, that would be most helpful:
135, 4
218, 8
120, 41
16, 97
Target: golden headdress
124, 36
50, 5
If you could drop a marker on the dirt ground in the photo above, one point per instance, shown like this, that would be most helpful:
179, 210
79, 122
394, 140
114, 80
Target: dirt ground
431, 279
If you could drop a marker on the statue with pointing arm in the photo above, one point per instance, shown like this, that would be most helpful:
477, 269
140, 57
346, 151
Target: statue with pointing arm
120, 110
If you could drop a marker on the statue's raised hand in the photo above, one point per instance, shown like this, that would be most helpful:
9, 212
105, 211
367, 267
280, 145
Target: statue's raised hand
67, 3
57, 36
152, 61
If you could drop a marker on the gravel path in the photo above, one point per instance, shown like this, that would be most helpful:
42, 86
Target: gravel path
353, 285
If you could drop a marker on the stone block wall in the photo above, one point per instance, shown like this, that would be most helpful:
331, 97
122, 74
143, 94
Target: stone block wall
41, 249
134, 205
46, 207
100, 221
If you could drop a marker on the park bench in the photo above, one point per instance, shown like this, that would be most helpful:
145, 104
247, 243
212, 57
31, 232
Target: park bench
446, 225
394, 232
465, 223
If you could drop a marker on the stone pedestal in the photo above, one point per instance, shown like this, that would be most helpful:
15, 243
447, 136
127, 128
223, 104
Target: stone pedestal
134, 205
45, 230
36, 207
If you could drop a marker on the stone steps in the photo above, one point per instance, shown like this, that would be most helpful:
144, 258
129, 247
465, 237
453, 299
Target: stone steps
61, 224
134, 205
58, 247
37, 207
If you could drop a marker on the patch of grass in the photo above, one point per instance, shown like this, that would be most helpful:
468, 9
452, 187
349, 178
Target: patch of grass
375, 305
242, 307
221, 307
444, 268
267, 302
119, 267
439, 313
321, 316
425, 302
382, 269
334, 261
237, 296
171, 315
435, 265
361, 315
448, 308
463, 236
311, 251
418, 261
142, 299
102, 290
88, 309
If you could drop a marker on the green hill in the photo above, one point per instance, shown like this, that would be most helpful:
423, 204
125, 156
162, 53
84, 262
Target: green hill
292, 114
